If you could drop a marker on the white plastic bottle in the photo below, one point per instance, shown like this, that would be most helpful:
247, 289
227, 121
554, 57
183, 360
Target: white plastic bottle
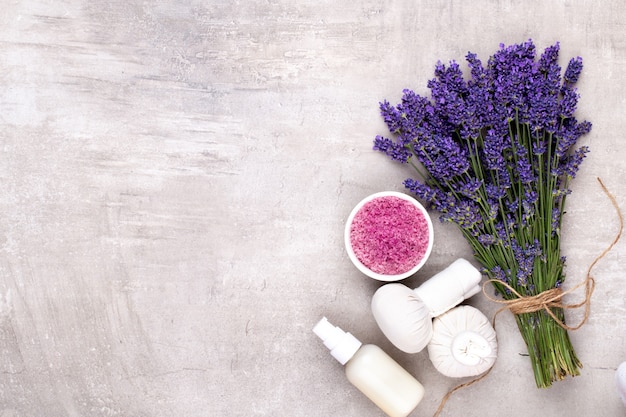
372, 371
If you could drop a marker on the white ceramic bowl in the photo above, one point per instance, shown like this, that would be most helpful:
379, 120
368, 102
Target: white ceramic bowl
363, 268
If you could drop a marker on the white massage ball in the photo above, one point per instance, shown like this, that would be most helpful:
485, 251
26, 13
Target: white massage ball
463, 343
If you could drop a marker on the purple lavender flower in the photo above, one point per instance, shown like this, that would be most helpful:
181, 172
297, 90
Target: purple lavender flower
470, 189
498, 273
510, 69
525, 255
542, 92
512, 205
442, 156
572, 163
495, 144
437, 199
574, 68
539, 147
502, 233
568, 102
556, 221
548, 63
494, 192
486, 240
414, 113
529, 204
448, 91
523, 166
478, 101
391, 116
464, 213
569, 133
395, 151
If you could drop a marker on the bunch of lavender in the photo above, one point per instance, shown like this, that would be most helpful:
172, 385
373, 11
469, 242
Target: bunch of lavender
495, 155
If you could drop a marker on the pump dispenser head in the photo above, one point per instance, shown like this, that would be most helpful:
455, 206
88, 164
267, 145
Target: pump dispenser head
342, 345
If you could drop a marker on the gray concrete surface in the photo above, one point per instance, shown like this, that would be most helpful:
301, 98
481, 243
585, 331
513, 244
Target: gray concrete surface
174, 178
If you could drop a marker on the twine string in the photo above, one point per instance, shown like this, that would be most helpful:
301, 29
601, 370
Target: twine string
546, 300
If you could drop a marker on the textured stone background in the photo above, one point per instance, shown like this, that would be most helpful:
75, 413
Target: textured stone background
174, 178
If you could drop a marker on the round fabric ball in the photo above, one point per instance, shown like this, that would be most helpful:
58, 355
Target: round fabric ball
463, 343
403, 317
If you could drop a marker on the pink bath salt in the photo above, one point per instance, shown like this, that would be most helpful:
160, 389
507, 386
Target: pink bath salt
389, 235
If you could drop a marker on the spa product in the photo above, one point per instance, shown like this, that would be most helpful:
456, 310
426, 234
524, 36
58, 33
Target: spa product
388, 236
463, 343
405, 315
372, 371
620, 379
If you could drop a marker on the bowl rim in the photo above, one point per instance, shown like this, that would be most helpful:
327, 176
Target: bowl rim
364, 269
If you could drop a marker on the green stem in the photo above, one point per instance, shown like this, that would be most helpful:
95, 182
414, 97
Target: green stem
550, 350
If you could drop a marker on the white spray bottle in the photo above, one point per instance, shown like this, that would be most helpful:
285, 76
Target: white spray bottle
372, 371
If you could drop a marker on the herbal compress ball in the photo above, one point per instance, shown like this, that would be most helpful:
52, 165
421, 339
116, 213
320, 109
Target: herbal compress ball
463, 343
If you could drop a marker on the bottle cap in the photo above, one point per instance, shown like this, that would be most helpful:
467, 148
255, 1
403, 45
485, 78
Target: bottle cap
448, 288
342, 345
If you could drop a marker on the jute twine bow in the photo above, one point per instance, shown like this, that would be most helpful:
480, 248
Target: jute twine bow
545, 301
548, 299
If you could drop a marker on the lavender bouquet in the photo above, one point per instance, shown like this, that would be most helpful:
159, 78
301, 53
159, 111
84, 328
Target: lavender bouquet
495, 154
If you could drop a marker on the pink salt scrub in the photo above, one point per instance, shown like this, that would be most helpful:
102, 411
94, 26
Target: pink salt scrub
389, 235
